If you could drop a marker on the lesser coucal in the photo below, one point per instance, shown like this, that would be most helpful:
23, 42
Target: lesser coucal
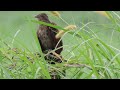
48, 41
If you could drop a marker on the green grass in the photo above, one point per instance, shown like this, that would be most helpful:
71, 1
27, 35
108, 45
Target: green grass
91, 50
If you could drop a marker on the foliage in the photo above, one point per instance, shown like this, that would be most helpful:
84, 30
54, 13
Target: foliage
91, 50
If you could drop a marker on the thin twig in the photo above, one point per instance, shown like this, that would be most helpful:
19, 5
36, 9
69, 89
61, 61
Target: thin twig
77, 65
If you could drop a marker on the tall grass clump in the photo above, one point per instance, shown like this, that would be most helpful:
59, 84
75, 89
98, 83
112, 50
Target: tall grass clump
91, 49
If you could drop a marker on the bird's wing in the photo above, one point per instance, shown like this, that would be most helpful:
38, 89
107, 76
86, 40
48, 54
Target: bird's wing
38, 35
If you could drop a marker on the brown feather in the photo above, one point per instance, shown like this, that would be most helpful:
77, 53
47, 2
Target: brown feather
46, 36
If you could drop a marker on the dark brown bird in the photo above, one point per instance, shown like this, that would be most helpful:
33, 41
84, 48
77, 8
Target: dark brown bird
46, 36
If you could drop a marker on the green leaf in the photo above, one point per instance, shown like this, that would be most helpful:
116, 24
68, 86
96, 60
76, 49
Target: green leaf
48, 24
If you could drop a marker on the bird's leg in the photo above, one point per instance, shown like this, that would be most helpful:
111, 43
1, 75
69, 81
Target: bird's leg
53, 56
57, 55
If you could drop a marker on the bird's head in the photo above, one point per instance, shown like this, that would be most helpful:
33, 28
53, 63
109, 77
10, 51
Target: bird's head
42, 17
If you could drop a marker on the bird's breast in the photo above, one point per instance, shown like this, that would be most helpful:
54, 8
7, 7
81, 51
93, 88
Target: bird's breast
46, 39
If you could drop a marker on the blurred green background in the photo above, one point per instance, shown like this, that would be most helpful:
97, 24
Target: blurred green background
13, 21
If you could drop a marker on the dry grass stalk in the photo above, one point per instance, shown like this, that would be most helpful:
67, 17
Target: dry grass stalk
61, 32
103, 13
55, 13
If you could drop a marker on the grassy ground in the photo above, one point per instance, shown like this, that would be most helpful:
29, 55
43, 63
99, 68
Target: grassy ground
92, 50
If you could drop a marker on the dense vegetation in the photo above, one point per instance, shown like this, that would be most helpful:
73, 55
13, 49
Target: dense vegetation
91, 50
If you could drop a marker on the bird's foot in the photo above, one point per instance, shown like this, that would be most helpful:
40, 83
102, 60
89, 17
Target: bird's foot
53, 58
